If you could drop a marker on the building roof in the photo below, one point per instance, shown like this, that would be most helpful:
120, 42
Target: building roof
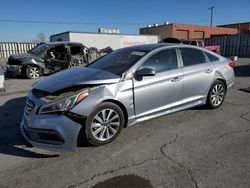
62, 42
194, 25
234, 24
150, 47
67, 32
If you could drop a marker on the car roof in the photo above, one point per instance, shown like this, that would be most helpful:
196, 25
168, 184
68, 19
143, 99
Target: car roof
150, 47
62, 42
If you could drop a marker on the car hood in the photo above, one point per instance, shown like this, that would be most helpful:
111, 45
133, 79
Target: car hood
22, 56
75, 77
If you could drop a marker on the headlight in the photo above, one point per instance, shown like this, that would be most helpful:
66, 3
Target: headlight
33, 61
12, 66
64, 104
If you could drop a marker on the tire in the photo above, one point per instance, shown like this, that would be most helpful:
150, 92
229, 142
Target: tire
33, 72
99, 131
216, 95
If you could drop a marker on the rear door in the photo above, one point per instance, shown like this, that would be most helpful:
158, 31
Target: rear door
77, 54
156, 94
198, 74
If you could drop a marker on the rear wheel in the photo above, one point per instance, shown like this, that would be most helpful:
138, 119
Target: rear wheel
104, 124
216, 94
33, 72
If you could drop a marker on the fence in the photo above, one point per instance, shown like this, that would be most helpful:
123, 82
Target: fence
232, 45
7, 48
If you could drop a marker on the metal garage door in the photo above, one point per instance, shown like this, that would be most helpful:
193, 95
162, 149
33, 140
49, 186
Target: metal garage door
182, 34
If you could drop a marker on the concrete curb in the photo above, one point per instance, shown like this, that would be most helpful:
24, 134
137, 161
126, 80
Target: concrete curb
13, 92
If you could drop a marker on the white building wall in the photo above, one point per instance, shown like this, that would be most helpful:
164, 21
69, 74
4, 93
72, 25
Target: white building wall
114, 41
131, 40
101, 40
98, 41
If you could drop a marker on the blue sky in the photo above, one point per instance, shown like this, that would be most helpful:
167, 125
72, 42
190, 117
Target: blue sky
127, 15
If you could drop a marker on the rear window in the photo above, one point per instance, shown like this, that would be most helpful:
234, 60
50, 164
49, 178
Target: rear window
211, 57
191, 56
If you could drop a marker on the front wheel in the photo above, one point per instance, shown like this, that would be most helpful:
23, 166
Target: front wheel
104, 124
216, 94
33, 72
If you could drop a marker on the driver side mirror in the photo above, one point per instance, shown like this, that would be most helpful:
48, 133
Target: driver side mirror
145, 72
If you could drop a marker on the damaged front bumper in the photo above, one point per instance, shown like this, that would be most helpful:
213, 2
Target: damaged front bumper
13, 70
51, 132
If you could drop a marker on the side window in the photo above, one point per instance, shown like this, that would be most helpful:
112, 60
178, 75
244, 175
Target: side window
76, 50
211, 57
191, 56
200, 43
193, 43
162, 61
57, 52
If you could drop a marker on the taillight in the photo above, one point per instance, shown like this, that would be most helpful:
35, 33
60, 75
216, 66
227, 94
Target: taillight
232, 64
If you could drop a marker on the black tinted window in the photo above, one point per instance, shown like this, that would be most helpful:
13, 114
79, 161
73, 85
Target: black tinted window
192, 56
162, 61
193, 43
75, 50
211, 57
200, 43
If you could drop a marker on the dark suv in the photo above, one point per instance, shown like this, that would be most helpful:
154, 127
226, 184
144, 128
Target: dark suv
47, 58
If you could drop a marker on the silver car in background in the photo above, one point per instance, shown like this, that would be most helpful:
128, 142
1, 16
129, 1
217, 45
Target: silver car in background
2, 78
127, 86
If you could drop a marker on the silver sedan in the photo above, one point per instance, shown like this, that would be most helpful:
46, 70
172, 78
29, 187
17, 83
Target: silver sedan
130, 85
2, 79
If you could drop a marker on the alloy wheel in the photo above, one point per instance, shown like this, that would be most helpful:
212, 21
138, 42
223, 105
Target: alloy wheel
217, 94
34, 72
105, 124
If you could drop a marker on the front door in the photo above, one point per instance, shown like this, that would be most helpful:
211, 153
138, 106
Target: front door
161, 92
57, 58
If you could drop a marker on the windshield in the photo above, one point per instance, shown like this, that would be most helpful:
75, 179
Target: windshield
40, 49
119, 61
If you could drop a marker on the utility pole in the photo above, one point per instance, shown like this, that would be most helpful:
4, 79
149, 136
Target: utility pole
211, 17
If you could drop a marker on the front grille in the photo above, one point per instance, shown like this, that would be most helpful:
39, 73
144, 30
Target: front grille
46, 136
40, 94
29, 106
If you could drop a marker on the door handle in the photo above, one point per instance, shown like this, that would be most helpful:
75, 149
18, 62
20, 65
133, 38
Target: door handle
176, 79
208, 71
